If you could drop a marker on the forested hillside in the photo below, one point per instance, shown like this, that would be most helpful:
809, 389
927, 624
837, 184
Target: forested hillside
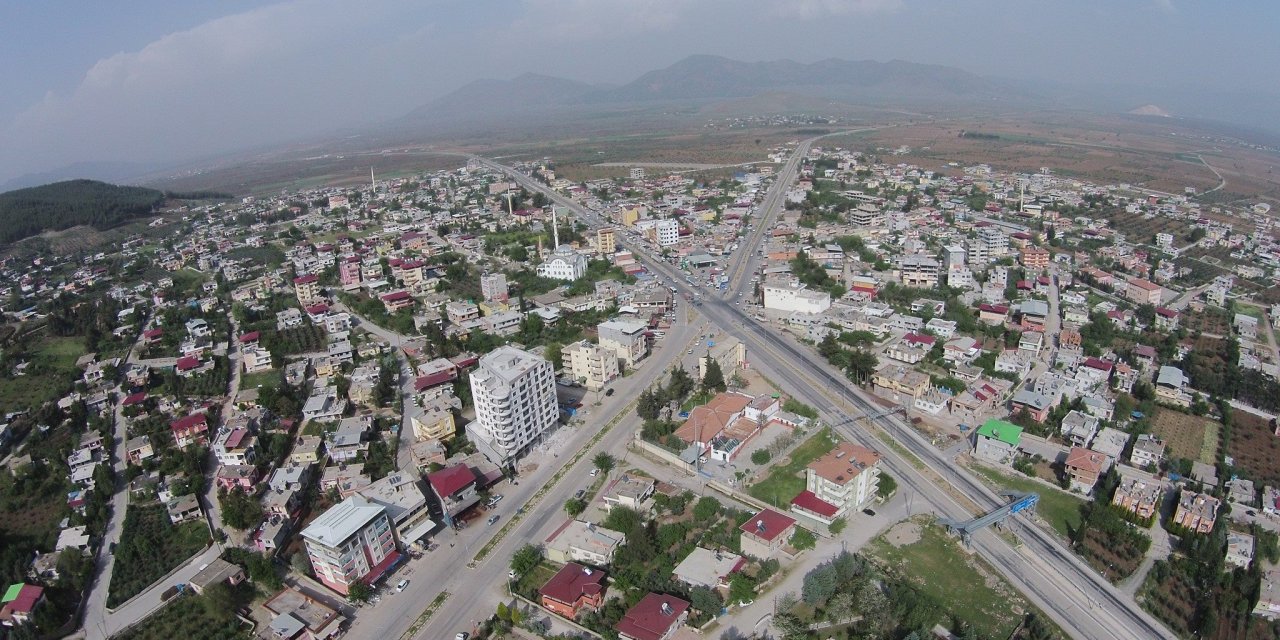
61, 205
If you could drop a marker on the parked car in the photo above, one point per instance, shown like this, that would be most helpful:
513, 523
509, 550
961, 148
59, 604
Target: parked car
400, 586
462, 635
870, 512
608, 392
492, 519
594, 472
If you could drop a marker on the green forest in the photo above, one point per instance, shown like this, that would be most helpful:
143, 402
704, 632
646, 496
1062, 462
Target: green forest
62, 205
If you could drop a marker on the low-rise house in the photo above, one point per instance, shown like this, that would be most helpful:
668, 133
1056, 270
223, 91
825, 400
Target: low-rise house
1241, 491
766, 533
706, 568
298, 616
456, 489
218, 571
1078, 429
1085, 467
997, 441
19, 603
349, 440
1139, 497
629, 491
655, 617
76, 538
1197, 512
578, 541
1171, 385
1033, 403
307, 449
1240, 549
1110, 442
234, 447
183, 508
138, 449
573, 589
237, 476
192, 429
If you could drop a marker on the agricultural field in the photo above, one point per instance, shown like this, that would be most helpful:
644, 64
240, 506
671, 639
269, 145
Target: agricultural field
1112, 560
1186, 436
1138, 228
149, 548
1254, 447
193, 617
1208, 320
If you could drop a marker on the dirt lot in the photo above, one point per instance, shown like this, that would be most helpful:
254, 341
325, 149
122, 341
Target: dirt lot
1255, 448
1208, 320
1186, 436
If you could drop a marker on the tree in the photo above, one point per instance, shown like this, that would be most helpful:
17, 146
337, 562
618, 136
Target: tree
240, 511
706, 509
604, 462
837, 526
741, 588
713, 380
359, 592
575, 506
760, 457
705, 600
300, 563
525, 559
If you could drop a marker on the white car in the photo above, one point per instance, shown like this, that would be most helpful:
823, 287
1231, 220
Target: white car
401, 585
594, 472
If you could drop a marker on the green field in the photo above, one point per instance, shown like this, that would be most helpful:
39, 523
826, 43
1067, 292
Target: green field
961, 583
190, 617
61, 353
52, 370
1061, 510
786, 481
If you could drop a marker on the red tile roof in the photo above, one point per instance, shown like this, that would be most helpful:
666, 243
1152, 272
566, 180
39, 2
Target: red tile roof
136, 398
306, 279
428, 381
27, 598
153, 333
646, 620
810, 502
187, 363
252, 336
395, 296
767, 524
188, 423
572, 582
447, 482
317, 309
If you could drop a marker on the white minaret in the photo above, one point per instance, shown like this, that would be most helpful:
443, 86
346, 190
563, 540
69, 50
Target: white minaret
555, 228
373, 184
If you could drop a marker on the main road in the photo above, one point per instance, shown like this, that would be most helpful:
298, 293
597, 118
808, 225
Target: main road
1057, 581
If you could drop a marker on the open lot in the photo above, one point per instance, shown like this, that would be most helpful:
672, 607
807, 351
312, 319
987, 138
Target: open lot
1207, 320
1186, 436
922, 554
1254, 447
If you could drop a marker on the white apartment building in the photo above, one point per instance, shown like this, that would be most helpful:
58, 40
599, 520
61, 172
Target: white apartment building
591, 364
918, 271
564, 264
493, 286
352, 541
626, 338
668, 232
515, 400
990, 244
795, 299
844, 479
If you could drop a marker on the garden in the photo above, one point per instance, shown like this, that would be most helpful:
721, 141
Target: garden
150, 547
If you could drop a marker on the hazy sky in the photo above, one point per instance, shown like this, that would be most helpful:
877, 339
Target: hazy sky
157, 80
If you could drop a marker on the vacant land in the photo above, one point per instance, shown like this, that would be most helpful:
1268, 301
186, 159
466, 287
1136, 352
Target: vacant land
149, 548
1113, 557
786, 480
1255, 447
190, 617
1060, 509
1186, 436
1208, 320
961, 582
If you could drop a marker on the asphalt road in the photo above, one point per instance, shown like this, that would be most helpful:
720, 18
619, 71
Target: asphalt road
1057, 581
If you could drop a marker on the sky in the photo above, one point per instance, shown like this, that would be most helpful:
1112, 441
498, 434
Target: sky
154, 81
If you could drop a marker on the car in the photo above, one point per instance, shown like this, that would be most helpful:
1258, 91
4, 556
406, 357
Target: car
462, 635
691, 352
594, 472
580, 493
400, 586
1252, 512
608, 392
492, 519
870, 512
511, 574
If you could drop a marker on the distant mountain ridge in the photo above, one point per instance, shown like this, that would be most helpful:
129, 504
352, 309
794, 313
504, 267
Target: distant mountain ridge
707, 77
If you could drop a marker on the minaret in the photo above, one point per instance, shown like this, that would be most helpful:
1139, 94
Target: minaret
555, 228
373, 184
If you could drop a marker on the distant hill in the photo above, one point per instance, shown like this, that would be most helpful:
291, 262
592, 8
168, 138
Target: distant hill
62, 205
708, 79
1149, 110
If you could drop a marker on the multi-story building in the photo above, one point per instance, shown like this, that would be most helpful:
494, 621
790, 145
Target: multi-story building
1171, 386
573, 589
1196, 511
405, 504
918, 271
606, 241
668, 232
843, 480
234, 446
1143, 291
626, 338
1139, 497
1085, 467
434, 423
349, 273
988, 245
997, 441
564, 264
795, 299
455, 490
592, 365
1148, 451
307, 288
493, 286
655, 617
1035, 258
515, 402
352, 541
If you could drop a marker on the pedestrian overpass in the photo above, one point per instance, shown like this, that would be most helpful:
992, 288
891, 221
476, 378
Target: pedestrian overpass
1018, 502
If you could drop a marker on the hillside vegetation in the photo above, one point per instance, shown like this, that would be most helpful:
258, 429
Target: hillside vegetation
62, 205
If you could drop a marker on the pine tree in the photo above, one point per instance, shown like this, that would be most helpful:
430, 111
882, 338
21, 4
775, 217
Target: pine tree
713, 379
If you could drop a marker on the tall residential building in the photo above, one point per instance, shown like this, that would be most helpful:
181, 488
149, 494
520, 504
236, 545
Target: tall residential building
606, 241
352, 541
953, 257
626, 338
668, 232
990, 244
493, 286
637, 173
515, 400
843, 480
919, 271
349, 273
591, 364
308, 289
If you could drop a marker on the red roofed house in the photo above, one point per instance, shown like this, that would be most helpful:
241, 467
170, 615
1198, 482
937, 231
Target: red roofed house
765, 533
316, 313
19, 602
191, 429
656, 617
397, 300
307, 289
1166, 319
916, 339
993, 314
153, 336
434, 373
188, 366
1143, 291
573, 589
455, 488
1085, 467
250, 339
136, 398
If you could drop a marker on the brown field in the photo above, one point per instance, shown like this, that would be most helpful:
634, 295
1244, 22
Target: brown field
1255, 448
1208, 320
1185, 435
